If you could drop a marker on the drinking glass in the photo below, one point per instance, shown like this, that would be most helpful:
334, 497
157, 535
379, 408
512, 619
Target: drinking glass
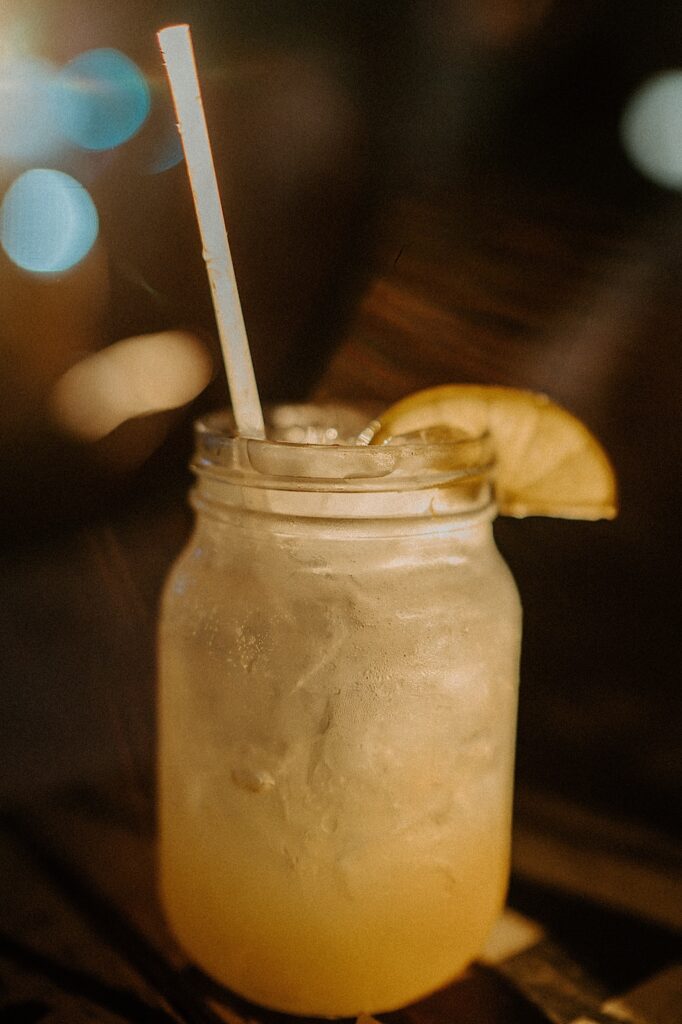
338, 675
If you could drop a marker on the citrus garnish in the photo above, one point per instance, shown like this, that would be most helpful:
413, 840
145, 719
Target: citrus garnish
548, 463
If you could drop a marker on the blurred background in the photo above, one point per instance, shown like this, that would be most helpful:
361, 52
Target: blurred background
416, 192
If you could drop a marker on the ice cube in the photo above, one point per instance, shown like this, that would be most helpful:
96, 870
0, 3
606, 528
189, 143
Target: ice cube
438, 434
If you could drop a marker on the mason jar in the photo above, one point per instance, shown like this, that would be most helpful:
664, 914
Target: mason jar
338, 659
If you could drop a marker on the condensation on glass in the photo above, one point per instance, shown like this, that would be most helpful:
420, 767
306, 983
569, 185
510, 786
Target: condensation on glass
338, 661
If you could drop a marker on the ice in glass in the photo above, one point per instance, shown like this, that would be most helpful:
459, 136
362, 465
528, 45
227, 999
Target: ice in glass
338, 660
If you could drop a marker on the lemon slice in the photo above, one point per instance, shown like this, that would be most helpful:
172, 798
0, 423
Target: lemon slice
547, 461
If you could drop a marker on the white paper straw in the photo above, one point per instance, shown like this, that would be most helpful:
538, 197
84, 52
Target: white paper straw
178, 54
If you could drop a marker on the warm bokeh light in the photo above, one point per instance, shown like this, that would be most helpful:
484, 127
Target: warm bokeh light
29, 128
651, 129
104, 99
48, 222
134, 377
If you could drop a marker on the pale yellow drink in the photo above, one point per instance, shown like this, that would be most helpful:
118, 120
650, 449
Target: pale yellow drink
338, 674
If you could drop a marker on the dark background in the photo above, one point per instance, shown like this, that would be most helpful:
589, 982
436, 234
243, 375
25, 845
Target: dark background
416, 193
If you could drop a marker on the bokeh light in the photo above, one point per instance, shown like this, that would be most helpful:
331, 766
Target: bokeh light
104, 99
135, 377
168, 153
29, 128
48, 222
651, 129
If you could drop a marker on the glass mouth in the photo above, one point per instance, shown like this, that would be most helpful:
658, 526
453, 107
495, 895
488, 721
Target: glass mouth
316, 448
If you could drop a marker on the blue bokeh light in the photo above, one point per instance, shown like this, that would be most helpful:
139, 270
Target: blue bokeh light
104, 99
29, 109
48, 221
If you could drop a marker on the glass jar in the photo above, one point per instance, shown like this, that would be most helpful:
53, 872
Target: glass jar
338, 661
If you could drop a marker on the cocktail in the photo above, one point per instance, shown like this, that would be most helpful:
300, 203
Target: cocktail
338, 672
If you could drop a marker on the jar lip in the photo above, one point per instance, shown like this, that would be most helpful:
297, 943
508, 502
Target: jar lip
303, 451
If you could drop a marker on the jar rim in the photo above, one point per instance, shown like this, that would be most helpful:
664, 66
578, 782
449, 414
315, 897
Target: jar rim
289, 457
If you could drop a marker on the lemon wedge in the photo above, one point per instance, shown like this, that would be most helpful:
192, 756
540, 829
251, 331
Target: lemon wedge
548, 463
